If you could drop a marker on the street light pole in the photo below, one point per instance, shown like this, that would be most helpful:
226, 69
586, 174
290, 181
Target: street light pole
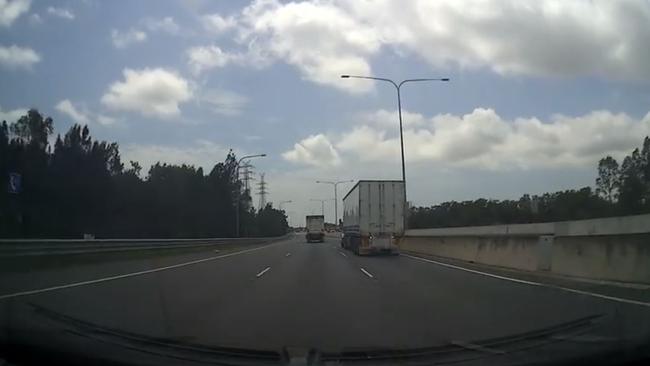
398, 87
336, 199
239, 188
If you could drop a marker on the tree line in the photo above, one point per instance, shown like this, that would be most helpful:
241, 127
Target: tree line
620, 190
81, 186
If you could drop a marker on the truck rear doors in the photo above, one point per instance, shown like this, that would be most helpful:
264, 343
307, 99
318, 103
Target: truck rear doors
383, 200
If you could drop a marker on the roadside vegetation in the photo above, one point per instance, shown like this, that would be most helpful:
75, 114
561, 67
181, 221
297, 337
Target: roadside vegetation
620, 190
79, 185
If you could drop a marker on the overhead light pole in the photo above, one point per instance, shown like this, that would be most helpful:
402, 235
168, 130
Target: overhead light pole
239, 188
398, 87
336, 200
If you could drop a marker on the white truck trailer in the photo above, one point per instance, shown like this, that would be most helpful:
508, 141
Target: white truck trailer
315, 228
373, 217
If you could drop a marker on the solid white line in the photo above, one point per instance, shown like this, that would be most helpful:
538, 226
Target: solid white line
343, 254
263, 272
366, 272
531, 283
474, 271
126, 275
288, 254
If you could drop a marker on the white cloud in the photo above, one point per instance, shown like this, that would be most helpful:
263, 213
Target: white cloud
61, 13
484, 140
66, 107
14, 57
127, 38
548, 38
208, 57
224, 102
202, 153
324, 39
105, 120
131, 36
12, 115
316, 150
320, 38
35, 19
166, 24
217, 24
10, 10
151, 92
390, 119
81, 115
368, 143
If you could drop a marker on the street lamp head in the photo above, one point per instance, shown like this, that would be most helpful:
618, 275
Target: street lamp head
444, 79
250, 157
345, 76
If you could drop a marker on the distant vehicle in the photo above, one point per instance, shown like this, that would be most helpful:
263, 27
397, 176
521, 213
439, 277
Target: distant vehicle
315, 228
373, 217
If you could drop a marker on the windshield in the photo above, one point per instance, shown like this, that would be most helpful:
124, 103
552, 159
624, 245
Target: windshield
324, 182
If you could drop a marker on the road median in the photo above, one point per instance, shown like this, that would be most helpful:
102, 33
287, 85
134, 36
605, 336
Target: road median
46, 247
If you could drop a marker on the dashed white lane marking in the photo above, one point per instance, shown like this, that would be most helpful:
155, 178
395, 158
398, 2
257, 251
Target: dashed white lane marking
126, 275
531, 283
263, 272
343, 254
366, 272
216, 250
287, 255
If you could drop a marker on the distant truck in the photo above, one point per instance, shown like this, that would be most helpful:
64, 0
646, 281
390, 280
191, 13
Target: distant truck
315, 228
373, 217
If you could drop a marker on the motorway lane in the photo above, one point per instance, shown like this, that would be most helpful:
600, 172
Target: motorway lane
317, 297
37, 272
471, 306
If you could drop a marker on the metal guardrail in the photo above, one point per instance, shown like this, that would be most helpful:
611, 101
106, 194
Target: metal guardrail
26, 247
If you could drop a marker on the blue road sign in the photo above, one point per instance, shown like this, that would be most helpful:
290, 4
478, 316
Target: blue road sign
15, 181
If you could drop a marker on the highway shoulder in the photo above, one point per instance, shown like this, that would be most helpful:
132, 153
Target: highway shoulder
626, 291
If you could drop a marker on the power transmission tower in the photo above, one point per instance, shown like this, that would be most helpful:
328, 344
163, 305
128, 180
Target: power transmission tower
246, 175
262, 192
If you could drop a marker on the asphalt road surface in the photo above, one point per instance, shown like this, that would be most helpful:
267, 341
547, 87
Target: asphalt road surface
291, 293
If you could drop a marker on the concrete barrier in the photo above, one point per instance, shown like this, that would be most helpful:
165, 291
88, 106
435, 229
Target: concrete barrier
513, 252
612, 257
615, 248
492, 230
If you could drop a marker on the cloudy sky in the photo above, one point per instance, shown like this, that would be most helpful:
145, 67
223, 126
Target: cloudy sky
539, 91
